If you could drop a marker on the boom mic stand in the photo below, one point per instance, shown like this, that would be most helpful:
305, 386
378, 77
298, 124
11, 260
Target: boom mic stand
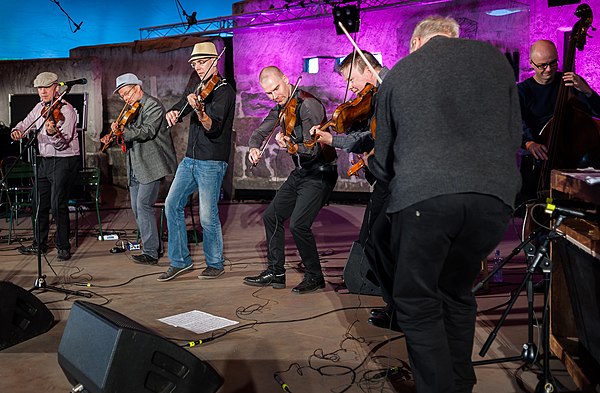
40, 282
529, 353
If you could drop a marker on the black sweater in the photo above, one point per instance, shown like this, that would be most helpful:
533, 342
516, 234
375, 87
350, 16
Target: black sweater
448, 121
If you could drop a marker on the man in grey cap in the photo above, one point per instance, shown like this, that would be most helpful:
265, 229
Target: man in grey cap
58, 146
150, 157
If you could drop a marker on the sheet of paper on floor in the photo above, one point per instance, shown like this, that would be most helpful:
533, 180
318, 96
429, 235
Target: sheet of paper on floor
197, 321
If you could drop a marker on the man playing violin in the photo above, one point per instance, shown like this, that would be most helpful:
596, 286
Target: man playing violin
306, 189
204, 164
150, 157
538, 95
359, 139
58, 146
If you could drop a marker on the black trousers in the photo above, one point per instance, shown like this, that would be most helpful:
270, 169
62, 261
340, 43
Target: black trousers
375, 236
55, 176
438, 246
300, 199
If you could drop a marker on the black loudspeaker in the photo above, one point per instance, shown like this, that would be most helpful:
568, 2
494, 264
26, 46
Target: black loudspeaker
358, 276
348, 16
22, 315
556, 3
104, 351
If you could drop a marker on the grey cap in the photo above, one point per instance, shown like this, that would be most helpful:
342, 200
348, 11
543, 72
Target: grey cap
45, 79
127, 79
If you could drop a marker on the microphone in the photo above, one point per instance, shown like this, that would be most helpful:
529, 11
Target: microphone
81, 81
569, 212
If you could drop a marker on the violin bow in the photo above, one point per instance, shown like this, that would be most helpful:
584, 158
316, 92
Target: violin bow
360, 52
289, 99
203, 81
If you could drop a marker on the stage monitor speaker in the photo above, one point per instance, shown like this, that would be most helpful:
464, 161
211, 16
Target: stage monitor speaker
22, 315
348, 16
358, 276
556, 3
103, 351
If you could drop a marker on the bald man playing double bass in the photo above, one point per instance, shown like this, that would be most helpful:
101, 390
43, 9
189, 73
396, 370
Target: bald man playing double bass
537, 96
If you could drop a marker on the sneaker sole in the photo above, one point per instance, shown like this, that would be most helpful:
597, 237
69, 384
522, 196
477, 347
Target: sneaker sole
176, 274
255, 284
211, 277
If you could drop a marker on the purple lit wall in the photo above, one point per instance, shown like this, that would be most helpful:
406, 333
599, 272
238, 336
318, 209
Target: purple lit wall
552, 23
386, 31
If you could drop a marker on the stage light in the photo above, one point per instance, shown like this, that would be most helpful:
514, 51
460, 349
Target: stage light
348, 16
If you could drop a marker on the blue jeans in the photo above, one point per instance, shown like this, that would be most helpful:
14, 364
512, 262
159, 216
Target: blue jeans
207, 177
143, 197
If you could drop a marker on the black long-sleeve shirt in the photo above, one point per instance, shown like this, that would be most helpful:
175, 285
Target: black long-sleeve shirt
213, 144
309, 112
539, 101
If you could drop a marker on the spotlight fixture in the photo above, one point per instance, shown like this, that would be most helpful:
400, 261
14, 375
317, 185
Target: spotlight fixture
348, 16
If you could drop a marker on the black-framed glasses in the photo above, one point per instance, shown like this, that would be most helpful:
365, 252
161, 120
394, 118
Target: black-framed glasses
194, 63
543, 66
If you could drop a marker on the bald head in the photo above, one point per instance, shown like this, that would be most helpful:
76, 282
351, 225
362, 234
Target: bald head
543, 57
543, 48
275, 83
270, 72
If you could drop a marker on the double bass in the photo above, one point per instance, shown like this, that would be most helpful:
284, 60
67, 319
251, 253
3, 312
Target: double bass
572, 136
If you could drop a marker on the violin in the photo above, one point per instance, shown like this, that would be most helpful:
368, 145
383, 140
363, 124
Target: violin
53, 115
124, 118
205, 88
289, 122
357, 166
349, 113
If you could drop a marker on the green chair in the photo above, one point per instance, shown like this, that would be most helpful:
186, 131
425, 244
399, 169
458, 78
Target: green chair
88, 183
18, 190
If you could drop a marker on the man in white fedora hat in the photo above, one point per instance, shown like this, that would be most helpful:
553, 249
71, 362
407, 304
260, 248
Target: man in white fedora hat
204, 164
58, 146
150, 157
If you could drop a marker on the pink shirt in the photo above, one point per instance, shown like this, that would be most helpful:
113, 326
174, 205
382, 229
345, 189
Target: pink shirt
64, 145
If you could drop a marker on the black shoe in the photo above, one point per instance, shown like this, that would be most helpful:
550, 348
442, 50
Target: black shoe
309, 284
144, 259
31, 250
64, 255
385, 320
266, 278
376, 311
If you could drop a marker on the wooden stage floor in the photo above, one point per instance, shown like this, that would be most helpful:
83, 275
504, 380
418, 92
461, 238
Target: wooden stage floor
318, 342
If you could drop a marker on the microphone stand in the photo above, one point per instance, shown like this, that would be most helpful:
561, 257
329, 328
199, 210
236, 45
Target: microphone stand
529, 352
40, 282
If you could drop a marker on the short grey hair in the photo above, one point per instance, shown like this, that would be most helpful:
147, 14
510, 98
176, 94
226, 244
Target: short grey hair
434, 25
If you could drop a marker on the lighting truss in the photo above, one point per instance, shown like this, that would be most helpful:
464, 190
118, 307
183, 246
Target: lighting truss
293, 11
